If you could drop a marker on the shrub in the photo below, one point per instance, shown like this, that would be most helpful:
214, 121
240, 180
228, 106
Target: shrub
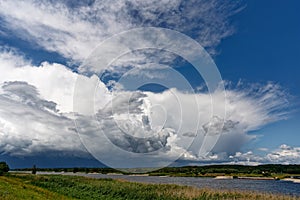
34, 169
3, 168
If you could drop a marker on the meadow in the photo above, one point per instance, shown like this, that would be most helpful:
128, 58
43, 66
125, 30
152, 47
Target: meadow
27, 186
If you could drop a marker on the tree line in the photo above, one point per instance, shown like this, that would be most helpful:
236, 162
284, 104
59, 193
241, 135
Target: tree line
264, 170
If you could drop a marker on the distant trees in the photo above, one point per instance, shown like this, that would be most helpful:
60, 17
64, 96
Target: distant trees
3, 168
260, 170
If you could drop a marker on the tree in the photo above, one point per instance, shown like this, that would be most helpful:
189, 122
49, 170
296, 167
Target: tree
75, 169
3, 168
33, 169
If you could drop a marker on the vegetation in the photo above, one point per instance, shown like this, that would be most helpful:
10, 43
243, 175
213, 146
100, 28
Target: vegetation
271, 170
33, 169
3, 168
26, 186
104, 170
14, 189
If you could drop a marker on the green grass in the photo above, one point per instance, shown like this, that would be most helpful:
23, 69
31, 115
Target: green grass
18, 186
13, 188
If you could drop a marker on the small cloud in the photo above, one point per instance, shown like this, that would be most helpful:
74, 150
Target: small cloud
263, 149
285, 154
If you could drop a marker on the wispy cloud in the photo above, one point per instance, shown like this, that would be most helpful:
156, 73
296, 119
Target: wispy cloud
11, 57
74, 31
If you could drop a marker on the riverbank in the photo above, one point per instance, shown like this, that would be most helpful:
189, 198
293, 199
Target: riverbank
245, 177
294, 180
77, 187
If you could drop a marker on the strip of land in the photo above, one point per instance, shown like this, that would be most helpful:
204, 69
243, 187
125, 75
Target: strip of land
269, 170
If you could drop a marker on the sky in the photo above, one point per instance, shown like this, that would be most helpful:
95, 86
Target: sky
91, 84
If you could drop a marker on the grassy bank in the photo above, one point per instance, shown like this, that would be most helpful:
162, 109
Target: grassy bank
15, 189
72, 187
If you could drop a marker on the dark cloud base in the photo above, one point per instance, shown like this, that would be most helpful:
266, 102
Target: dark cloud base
52, 161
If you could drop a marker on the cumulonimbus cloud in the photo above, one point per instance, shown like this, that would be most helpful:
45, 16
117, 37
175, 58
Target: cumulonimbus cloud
26, 97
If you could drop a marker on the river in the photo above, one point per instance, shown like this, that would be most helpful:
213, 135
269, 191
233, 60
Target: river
266, 186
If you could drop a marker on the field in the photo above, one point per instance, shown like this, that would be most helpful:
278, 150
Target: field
21, 186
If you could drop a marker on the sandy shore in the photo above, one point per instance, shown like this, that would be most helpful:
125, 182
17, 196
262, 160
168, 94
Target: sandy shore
292, 179
255, 178
224, 177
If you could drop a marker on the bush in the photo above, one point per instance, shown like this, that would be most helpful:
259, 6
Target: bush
34, 169
3, 168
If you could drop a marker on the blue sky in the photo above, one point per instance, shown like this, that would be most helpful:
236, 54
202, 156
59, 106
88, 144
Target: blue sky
255, 45
266, 48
